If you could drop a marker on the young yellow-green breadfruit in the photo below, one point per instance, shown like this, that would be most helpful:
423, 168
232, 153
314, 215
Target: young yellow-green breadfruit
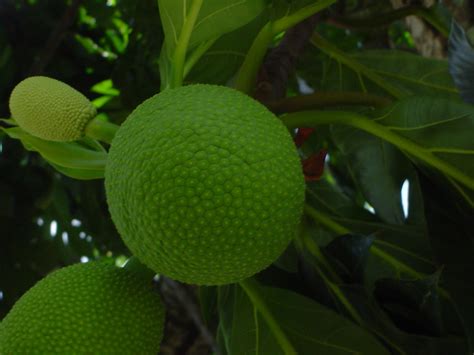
204, 185
92, 308
50, 109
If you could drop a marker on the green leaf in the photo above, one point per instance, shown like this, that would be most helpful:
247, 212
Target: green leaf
80, 174
220, 63
440, 126
414, 74
378, 168
243, 331
310, 327
443, 127
392, 72
400, 341
405, 245
84, 160
214, 19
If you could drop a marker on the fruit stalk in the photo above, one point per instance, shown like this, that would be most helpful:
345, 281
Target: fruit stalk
136, 266
101, 130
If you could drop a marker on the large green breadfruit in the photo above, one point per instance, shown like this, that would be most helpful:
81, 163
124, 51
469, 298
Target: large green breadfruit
50, 109
92, 308
204, 184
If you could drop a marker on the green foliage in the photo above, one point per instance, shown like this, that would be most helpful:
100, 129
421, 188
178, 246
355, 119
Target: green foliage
309, 326
383, 259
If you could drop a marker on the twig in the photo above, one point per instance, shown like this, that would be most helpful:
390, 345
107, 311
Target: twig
188, 301
55, 39
280, 61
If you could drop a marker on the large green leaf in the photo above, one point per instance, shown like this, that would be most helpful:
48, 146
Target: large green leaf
377, 168
440, 126
391, 72
310, 327
214, 19
411, 72
225, 56
243, 329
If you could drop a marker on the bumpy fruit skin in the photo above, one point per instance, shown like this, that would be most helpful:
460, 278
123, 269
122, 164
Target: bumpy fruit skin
204, 185
92, 308
50, 109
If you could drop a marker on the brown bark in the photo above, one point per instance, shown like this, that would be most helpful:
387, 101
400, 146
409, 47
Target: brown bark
185, 332
280, 62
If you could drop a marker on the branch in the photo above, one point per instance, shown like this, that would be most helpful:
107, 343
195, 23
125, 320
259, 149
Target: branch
55, 39
280, 61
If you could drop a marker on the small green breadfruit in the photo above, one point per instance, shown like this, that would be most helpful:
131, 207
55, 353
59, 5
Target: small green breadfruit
92, 308
50, 109
204, 185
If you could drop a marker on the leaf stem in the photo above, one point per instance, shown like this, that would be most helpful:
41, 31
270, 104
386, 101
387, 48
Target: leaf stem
343, 58
315, 118
250, 286
179, 56
327, 98
101, 130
